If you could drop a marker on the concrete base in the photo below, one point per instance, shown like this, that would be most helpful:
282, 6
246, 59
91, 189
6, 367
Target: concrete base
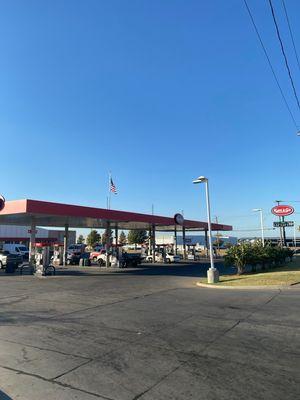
212, 275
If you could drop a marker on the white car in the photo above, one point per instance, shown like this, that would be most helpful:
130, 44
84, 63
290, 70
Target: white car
169, 258
172, 258
101, 259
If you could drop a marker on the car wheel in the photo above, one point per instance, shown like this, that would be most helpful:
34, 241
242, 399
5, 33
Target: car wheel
150, 260
169, 260
1, 265
95, 259
100, 262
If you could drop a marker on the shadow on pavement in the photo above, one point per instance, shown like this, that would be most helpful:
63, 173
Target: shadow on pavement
188, 270
193, 269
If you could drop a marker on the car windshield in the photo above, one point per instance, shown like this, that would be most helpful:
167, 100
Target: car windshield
22, 248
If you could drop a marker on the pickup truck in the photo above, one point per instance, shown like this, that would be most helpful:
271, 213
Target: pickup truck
126, 260
6, 257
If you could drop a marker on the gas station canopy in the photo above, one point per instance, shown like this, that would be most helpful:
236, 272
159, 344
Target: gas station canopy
49, 214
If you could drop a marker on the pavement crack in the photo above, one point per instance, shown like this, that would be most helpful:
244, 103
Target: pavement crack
45, 349
158, 382
64, 385
114, 302
72, 369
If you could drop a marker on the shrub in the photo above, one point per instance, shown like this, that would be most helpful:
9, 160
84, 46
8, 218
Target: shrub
239, 256
255, 253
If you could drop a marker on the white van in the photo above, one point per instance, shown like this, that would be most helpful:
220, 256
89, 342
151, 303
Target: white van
15, 248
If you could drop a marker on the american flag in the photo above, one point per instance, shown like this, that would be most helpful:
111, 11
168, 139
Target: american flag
113, 188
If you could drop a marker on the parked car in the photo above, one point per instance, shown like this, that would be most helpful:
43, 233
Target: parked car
172, 258
73, 258
18, 249
130, 260
101, 259
169, 258
95, 254
76, 248
7, 257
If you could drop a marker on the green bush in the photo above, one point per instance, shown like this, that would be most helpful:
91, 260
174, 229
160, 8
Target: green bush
254, 254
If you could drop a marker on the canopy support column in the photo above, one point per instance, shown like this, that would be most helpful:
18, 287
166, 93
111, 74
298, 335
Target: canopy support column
116, 243
108, 244
66, 240
206, 242
184, 243
153, 243
150, 242
175, 240
32, 244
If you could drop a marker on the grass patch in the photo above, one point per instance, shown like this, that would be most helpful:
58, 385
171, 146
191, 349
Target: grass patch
287, 275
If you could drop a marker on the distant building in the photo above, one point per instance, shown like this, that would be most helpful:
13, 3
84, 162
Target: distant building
197, 241
290, 241
21, 234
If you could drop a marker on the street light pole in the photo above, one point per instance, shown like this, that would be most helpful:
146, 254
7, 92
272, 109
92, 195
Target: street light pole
261, 224
212, 273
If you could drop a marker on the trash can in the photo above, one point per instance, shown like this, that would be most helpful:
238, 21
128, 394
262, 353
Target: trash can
10, 267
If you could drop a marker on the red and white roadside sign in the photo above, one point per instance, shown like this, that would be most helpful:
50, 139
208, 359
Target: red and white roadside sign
282, 210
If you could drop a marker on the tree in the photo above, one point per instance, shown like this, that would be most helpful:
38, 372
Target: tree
137, 236
239, 256
122, 238
80, 239
93, 238
105, 236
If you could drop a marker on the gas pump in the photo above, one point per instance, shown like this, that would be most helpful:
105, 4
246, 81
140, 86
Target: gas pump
42, 258
58, 254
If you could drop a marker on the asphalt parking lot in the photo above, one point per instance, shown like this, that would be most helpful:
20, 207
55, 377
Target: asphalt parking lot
146, 333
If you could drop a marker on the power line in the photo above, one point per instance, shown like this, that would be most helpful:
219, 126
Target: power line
270, 65
291, 33
284, 54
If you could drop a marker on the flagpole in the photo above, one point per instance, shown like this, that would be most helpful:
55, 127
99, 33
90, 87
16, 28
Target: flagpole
109, 191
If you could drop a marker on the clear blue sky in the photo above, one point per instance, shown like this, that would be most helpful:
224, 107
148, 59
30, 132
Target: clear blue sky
158, 92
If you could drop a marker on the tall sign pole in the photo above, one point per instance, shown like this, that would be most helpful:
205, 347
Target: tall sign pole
282, 211
280, 228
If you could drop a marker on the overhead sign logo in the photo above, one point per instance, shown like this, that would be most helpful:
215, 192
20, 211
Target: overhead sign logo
179, 219
282, 211
2, 202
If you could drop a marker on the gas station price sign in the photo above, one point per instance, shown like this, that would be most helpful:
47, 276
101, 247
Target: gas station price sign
283, 224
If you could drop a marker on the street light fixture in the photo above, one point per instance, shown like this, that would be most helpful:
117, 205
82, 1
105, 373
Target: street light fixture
212, 273
261, 224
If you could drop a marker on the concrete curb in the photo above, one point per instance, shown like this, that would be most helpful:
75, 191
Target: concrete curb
262, 287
